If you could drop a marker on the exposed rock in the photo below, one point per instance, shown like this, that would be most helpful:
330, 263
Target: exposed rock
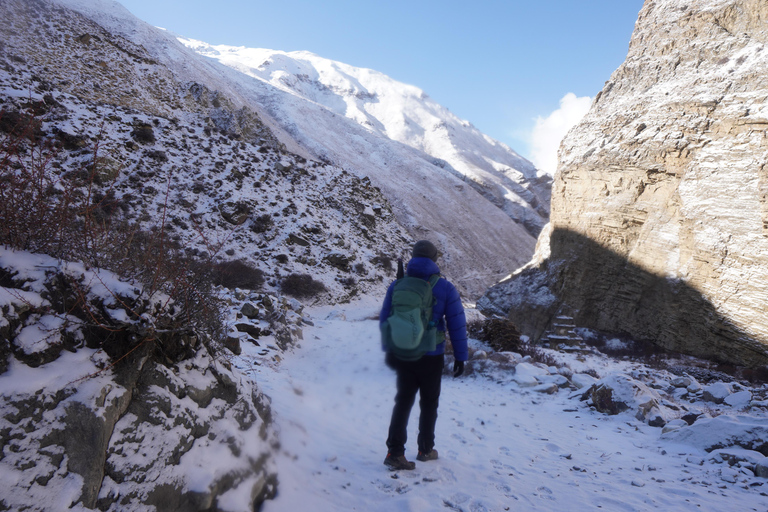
740, 456
252, 330
681, 382
232, 343
761, 469
236, 213
249, 311
581, 380
338, 260
674, 425
738, 400
127, 415
526, 375
659, 223
549, 389
295, 239
716, 392
618, 393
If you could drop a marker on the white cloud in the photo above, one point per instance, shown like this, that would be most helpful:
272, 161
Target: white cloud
549, 131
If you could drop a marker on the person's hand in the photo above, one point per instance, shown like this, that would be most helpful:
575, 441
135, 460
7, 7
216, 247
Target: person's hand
390, 360
458, 368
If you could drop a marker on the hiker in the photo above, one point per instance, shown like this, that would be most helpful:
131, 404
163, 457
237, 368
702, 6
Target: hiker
420, 369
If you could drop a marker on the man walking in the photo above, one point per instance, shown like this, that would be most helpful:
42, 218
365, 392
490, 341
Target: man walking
424, 373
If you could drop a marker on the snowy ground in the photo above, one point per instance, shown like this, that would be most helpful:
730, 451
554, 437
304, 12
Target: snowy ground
501, 447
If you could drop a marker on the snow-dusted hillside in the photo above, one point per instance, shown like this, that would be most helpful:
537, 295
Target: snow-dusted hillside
403, 113
480, 242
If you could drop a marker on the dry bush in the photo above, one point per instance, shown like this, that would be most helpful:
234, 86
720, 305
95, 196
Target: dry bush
301, 286
500, 334
238, 274
262, 223
69, 216
538, 354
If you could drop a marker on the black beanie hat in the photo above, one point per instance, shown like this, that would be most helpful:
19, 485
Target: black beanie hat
424, 249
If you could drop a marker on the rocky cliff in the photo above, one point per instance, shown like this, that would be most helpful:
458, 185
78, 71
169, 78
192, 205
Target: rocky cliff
659, 225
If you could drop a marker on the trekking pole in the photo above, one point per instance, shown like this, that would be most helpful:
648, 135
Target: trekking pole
400, 270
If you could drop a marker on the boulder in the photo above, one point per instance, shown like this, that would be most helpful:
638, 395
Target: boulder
674, 425
236, 212
232, 343
526, 375
582, 380
681, 382
252, 330
249, 311
739, 400
740, 456
716, 392
618, 393
761, 468
724, 431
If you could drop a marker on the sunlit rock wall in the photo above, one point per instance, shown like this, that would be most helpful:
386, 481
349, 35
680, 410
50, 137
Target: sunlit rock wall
659, 206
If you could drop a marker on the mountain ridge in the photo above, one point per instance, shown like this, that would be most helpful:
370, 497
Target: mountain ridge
403, 113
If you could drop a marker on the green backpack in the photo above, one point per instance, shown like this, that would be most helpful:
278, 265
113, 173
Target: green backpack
409, 332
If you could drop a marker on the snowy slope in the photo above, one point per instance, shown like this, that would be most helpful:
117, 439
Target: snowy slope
403, 113
480, 242
502, 446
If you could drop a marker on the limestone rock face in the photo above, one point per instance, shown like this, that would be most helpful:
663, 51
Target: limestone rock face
659, 224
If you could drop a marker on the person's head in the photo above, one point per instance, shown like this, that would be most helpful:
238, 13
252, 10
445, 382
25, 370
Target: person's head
425, 249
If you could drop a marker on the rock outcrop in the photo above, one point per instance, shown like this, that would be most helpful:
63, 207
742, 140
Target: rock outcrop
659, 224
134, 418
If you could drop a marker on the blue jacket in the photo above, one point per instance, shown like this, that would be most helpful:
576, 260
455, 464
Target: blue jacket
447, 312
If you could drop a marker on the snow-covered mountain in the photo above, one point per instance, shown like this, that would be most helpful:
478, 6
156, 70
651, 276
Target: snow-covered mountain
479, 240
403, 113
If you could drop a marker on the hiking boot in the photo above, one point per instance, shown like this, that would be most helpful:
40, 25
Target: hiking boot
399, 462
424, 457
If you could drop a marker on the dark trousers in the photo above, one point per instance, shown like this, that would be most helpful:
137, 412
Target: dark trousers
423, 376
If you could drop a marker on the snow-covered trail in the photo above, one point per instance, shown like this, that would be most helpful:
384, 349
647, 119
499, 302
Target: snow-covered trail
501, 447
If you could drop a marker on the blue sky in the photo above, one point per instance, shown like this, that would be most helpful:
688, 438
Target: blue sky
500, 64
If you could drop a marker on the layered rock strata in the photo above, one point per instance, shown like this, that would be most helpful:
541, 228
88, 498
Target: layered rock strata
659, 224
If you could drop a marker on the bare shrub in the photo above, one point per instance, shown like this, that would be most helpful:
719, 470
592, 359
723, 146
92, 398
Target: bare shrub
143, 133
69, 216
538, 354
500, 334
262, 223
238, 274
301, 286
593, 373
383, 260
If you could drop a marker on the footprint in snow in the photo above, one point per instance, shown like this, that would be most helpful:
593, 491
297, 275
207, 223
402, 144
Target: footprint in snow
459, 438
500, 466
459, 502
544, 493
476, 506
507, 491
392, 487
552, 447
479, 436
456, 500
